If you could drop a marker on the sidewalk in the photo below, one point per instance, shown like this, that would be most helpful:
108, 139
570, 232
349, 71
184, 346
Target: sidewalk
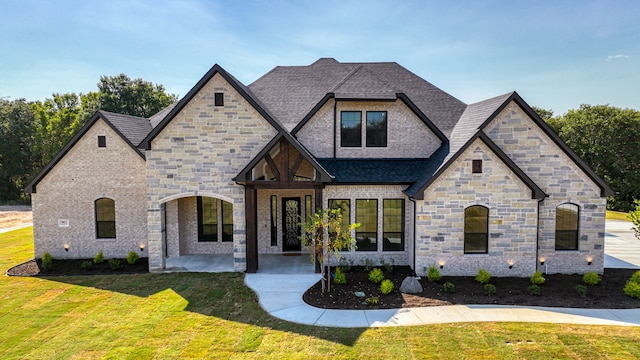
281, 296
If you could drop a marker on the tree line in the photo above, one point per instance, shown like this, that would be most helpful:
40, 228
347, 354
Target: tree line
33, 132
607, 138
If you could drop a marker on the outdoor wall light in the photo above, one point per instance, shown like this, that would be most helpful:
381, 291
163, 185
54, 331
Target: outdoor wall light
541, 261
141, 247
510, 262
441, 264
66, 247
589, 260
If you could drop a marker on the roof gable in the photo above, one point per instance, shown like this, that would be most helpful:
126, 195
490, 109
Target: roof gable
129, 128
237, 85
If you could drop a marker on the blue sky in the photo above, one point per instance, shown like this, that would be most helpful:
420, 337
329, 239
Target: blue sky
555, 54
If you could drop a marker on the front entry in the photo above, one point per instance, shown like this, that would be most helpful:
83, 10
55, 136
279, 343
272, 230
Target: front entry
291, 224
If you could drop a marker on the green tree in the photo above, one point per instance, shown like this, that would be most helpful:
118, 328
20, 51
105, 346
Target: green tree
634, 215
326, 237
606, 138
136, 97
16, 129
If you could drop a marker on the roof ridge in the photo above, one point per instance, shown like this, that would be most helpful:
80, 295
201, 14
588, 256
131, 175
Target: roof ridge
344, 79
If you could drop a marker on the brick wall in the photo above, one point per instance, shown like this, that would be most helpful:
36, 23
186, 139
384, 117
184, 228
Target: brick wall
85, 174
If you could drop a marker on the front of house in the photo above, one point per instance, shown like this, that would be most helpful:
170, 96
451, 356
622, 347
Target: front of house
233, 169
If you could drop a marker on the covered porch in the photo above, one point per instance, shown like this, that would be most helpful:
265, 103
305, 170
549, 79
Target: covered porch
269, 263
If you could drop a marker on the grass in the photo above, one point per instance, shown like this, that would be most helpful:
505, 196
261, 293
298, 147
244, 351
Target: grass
617, 215
169, 316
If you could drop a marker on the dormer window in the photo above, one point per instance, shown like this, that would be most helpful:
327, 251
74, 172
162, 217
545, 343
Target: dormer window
351, 129
219, 99
376, 129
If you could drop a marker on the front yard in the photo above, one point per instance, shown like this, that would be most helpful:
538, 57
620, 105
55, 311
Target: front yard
168, 316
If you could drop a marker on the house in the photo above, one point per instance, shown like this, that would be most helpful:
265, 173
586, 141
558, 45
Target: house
232, 169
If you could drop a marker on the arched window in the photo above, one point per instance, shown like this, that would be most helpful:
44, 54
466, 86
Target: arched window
476, 230
105, 218
567, 216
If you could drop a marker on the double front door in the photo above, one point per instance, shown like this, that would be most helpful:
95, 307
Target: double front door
291, 224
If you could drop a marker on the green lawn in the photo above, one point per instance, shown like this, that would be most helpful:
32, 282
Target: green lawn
617, 215
168, 316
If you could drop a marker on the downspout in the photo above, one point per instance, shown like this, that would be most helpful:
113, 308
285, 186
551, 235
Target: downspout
335, 124
538, 235
414, 231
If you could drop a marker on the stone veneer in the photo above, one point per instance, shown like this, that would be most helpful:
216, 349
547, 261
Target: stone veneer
68, 192
407, 135
198, 154
553, 171
379, 192
512, 218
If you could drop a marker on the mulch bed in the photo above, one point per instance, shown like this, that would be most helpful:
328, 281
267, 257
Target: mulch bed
557, 291
73, 267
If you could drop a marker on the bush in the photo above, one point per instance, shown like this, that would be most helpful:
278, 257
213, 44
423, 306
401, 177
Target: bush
86, 265
114, 264
47, 261
449, 287
388, 266
433, 274
591, 278
489, 289
368, 264
483, 276
132, 257
537, 278
582, 290
99, 258
340, 277
346, 264
372, 300
386, 287
534, 290
632, 288
376, 276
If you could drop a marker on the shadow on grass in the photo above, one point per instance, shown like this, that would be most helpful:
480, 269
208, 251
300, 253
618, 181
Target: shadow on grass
221, 295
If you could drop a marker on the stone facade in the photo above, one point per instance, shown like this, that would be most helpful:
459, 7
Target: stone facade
68, 192
512, 218
407, 135
198, 154
561, 179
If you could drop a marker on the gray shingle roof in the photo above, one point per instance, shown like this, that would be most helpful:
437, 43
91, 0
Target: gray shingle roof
134, 128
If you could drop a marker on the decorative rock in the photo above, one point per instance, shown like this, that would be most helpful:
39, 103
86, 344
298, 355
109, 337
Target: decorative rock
410, 285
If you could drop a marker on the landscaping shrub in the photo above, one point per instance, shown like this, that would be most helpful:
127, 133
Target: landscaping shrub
534, 290
591, 278
433, 274
345, 264
386, 287
340, 277
132, 257
388, 266
99, 258
483, 276
632, 288
86, 265
489, 289
368, 264
47, 261
376, 276
449, 287
537, 278
372, 300
114, 264
581, 289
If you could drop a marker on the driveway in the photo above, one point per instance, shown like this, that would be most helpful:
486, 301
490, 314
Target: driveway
621, 247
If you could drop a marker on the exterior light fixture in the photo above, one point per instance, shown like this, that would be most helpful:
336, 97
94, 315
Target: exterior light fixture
589, 260
441, 264
541, 261
141, 247
510, 262
66, 247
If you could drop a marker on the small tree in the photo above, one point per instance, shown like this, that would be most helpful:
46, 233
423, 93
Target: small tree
634, 215
324, 235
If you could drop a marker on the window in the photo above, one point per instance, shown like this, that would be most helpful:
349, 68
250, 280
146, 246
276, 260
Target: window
476, 166
105, 218
476, 230
376, 129
345, 207
102, 141
393, 225
219, 99
350, 129
567, 216
207, 219
367, 233
227, 221
274, 219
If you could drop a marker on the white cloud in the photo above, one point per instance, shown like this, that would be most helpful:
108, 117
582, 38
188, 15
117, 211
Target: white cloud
617, 57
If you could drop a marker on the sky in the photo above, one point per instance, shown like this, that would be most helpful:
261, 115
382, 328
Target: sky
555, 54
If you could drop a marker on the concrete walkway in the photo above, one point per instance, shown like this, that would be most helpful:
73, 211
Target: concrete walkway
281, 296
